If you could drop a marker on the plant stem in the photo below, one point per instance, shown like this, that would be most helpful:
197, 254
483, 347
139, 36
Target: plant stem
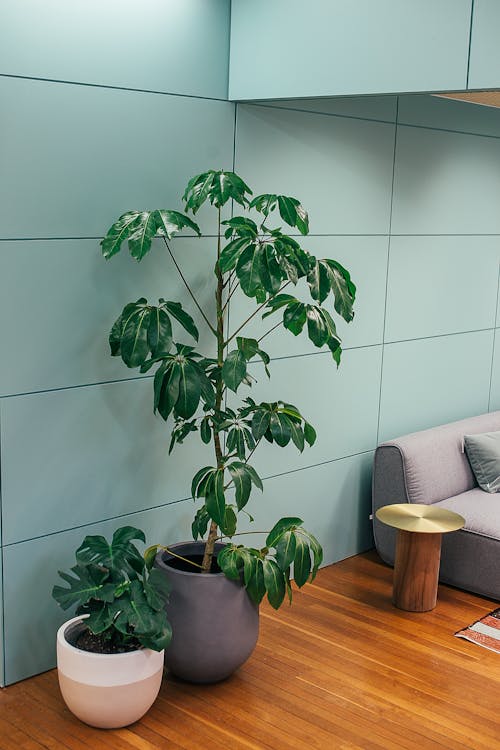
189, 288
179, 557
270, 331
219, 393
256, 311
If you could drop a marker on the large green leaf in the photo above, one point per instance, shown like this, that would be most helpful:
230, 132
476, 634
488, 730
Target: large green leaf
171, 222
280, 429
139, 242
119, 554
87, 582
231, 252
301, 561
215, 500
134, 342
260, 423
242, 482
189, 388
285, 550
275, 583
159, 332
317, 328
280, 527
229, 562
294, 317
318, 279
248, 270
186, 321
100, 619
234, 369
342, 287
118, 233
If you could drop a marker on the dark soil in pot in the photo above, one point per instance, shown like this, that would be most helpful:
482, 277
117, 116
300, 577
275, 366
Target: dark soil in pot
81, 637
214, 622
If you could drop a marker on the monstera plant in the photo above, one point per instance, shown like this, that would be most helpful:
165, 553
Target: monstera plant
252, 256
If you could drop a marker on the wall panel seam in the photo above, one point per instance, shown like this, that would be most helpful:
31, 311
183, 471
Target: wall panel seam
494, 341
387, 269
470, 43
112, 88
181, 500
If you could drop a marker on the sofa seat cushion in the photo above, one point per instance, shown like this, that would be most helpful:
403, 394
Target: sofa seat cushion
480, 509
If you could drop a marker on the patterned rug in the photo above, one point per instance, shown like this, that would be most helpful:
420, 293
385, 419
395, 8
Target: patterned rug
485, 632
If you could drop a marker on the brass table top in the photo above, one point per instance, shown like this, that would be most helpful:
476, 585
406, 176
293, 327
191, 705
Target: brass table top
421, 518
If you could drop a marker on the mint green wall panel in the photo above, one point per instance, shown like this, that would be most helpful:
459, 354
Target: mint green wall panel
175, 46
333, 500
484, 68
74, 158
366, 107
339, 168
82, 455
366, 260
432, 381
433, 288
31, 571
342, 405
448, 114
329, 47
66, 325
446, 183
494, 402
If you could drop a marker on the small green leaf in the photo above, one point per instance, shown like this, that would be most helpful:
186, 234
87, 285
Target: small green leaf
171, 222
159, 332
234, 369
118, 233
215, 500
134, 343
279, 528
242, 482
285, 550
275, 583
294, 317
205, 430
280, 429
287, 210
260, 423
229, 559
301, 561
186, 321
139, 242
309, 433
228, 528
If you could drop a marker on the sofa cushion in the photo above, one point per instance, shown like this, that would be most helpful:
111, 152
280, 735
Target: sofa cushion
434, 461
480, 509
483, 452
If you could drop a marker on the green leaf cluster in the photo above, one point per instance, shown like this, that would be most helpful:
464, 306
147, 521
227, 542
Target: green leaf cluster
123, 597
144, 330
290, 552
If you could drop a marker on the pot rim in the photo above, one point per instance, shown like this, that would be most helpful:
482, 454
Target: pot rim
162, 552
61, 639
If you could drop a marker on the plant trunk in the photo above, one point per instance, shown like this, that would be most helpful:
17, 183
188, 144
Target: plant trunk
219, 392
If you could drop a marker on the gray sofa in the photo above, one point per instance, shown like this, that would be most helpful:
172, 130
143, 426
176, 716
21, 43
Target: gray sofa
430, 466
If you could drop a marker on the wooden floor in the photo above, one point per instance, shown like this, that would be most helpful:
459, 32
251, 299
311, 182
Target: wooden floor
341, 669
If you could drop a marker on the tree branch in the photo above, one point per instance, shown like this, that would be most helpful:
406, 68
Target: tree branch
255, 312
189, 288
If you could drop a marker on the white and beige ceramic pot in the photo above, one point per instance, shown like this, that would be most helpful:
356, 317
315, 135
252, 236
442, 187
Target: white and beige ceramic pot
106, 690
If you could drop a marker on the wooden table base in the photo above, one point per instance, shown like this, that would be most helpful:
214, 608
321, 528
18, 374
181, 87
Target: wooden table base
416, 571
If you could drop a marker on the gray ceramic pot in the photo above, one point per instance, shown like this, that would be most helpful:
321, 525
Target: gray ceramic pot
215, 624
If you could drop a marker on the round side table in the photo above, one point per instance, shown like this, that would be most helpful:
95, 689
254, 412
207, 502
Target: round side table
418, 551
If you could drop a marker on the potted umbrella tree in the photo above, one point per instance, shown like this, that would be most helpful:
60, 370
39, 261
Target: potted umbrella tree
218, 582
